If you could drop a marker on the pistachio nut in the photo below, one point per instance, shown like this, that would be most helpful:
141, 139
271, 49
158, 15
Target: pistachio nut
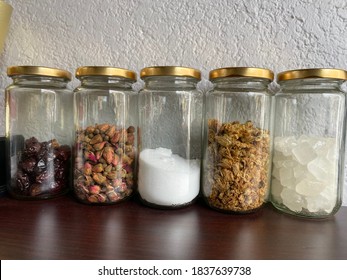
108, 154
98, 168
99, 146
103, 127
111, 131
99, 178
87, 168
96, 139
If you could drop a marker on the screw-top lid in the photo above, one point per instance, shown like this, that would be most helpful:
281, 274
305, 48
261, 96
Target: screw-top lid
38, 71
242, 72
170, 71
105, 71
5, 16
328, 73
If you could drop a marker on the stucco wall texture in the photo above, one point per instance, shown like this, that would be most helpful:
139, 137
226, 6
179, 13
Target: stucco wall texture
279, 35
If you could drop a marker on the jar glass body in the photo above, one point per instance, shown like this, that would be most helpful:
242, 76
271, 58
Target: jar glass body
38, 136
106, 119
170, 111
237, 144
309, 145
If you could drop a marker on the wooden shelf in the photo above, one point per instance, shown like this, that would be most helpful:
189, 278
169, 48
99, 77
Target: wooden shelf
62, 228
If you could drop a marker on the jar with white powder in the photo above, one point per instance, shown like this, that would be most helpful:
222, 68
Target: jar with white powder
309, 142
170, 114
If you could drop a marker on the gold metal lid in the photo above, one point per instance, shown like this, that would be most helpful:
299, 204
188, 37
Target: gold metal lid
242, 72
170, 71
38, 71
105, 71
329, 73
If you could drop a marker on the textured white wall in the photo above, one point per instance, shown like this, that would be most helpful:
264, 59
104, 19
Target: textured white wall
279, 35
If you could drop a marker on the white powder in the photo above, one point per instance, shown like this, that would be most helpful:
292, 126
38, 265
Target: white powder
167, 179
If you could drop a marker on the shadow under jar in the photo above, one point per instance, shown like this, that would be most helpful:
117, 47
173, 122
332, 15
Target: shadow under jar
309, 142
170, 113
106, 119
38, 132
236, 142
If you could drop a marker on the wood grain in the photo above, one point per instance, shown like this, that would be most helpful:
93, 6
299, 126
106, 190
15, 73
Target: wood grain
62, 228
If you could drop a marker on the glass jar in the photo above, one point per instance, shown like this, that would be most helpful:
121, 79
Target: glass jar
236, 145
309, 142
38, 132
170, 108
106, 119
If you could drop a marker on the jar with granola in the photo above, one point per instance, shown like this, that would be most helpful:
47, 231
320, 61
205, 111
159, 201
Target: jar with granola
236, 142
39, 131
105, 156
309, 142
170, 111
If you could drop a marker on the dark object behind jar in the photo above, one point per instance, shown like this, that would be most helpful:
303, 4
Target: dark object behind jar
2, 167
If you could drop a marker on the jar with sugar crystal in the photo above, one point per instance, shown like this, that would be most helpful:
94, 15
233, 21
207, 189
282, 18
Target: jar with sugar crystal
309, 142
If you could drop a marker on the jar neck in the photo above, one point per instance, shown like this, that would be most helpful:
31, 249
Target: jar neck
241, 83
41, 81
314, 84
106, 81
170, 82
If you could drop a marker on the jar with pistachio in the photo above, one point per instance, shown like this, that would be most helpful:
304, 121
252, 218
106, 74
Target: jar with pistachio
105, 110
236, 146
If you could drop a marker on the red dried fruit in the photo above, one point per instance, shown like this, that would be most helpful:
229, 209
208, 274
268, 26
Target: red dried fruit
28, 165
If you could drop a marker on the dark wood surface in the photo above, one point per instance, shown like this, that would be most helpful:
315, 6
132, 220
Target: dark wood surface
63, 228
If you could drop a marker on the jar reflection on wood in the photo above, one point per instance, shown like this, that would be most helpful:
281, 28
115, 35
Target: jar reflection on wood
106, 118
170, 110
309, 142
237, 146
38, 132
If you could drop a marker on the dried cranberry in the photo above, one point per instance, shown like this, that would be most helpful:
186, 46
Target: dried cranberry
60, 173
45, 176
56, 186
63, 152
44, 168
31, 141
49, 187
32, 147
46, 152
28, 164
36, 189
23, 182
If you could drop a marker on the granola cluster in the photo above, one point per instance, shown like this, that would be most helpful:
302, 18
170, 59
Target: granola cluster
237, 166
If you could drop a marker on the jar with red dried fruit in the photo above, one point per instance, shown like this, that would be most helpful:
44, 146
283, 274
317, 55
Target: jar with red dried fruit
106, 135
38, 132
